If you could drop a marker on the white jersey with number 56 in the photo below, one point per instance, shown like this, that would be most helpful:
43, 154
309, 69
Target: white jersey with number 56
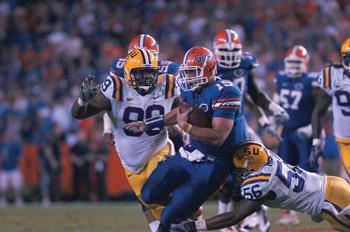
280, 185
136, 149
337, 84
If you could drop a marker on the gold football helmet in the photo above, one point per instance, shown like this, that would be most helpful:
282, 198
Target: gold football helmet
345, 54
250, 156
141, 70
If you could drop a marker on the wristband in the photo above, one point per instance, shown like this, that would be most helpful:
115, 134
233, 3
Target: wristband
155, 122
81, 102
316, 142
188, 128
201, 225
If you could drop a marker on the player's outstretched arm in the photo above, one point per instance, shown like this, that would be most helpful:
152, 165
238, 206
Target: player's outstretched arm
90, 102
242, 209
261, 99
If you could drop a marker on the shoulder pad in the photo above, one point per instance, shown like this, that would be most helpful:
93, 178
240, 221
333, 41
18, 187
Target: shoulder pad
169, 84
117, 68
112, 88
249, 60
168, 67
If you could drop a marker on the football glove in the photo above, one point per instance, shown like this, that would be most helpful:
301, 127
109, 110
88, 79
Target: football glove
316, 152
87, 91
184, 226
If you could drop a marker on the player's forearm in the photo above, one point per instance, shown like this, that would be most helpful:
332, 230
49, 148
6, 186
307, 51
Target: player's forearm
207, 135
241, 210
81, 111
263, 101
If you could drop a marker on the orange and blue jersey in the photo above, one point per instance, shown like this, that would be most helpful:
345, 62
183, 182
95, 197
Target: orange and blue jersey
165, 67
222, 99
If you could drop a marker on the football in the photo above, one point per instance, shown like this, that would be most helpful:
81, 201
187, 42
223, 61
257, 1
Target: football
197, 117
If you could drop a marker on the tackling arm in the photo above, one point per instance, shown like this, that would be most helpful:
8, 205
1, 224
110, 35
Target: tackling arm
242, 209
94, 106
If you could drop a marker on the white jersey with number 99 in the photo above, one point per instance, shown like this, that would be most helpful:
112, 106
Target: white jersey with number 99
136, 149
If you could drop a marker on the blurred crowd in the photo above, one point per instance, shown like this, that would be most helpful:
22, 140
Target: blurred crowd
48, 47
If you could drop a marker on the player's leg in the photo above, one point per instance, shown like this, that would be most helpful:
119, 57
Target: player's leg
4, 183
205, 179
164, 179
287, 150
336, 209
344, 148
16, 180
225, 195
137, 180
304, 149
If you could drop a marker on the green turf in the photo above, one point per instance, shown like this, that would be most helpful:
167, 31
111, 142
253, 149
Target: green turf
117, 217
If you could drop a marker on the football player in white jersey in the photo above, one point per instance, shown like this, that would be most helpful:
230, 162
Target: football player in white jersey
143, 95
335, 81
267, 179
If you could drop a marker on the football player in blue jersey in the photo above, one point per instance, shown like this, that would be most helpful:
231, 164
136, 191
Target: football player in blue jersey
202, 165
238, 66
296, 90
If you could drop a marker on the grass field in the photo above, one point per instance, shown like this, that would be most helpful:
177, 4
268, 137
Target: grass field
117, 217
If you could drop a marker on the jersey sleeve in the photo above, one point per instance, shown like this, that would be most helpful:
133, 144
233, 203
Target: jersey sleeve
228, 100
112, 88
255, 186
117, 68
325, 81
168, 67
171, 89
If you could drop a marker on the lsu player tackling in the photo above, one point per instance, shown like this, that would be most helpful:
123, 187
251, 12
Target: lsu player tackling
238, 66
335, 81
268, 180
142, 95
145, 41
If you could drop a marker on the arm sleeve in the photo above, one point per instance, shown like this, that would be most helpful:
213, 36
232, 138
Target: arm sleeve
111, 88
227, 102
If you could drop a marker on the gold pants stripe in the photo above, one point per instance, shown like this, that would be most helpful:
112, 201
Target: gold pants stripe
137, 180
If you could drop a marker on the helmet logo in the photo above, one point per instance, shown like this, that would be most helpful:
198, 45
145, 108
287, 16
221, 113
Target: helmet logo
202, 58
204, 107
